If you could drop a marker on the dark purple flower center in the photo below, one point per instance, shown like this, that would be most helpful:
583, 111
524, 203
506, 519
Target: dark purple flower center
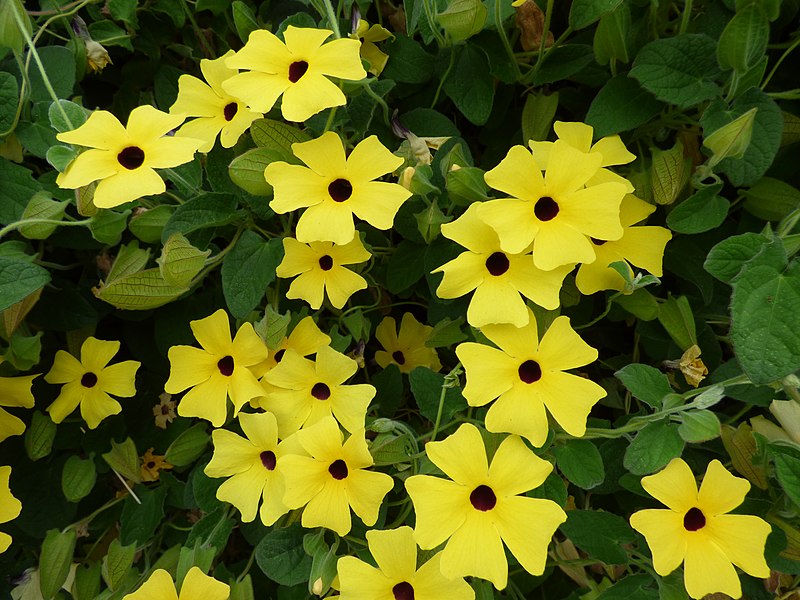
89, 380
230, 111
131, 157
694, 519
398, 357
297, 69
597, 242
338, 469
340, 190
225, 365
268, 459
497, 264
530, 371
320, 391
483, 498
279, 355
325, 263
403, 591
545, 209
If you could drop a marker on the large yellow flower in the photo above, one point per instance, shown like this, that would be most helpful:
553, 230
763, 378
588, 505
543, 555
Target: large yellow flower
217, 112
335, 187
217, 371
320, 267
557, 211
397, 576
642, 246
696, 530
527, 376
298, 69
499, 278
121, 158
15, 392
334, 479
481, 508
89, 381
405, 348
196, 586
10, 507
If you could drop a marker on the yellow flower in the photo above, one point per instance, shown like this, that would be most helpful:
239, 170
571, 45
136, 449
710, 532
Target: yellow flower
320, 267
305, 339
696, 530
164, 411
253, 466
788, 414
334, 187
499, 278
481, 508
555, 211
152, 465
334, 479
304, 392
407, 348
217, 371
369, 51
121, 158
16, 392
527, 376
218, 112
397, 576
89, 382
298, 69
641, 246
197, 585
10, 507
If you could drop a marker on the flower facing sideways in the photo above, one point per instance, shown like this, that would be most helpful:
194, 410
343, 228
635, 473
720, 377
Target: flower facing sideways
333, 187
397, 576
89, 381
527, 376
298, 70
217, 112
696, 530
216, 371
334, 479
480, 507
10, 507
123, 159
369, 36
405, 348
14, 392
196, 586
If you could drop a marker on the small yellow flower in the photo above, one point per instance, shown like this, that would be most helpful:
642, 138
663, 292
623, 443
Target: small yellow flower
405, 348
696, 530
152, 464
90, 380
334, 187
196, 585
123, 159
320, 267
10, 507
217, 371
368, 36
14, 392
164, 411
298, 70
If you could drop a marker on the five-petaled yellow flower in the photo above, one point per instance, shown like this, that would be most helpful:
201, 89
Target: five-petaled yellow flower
298, 69
499, 279
14, 392
217, 371
334, 187
368, 36
397, 576
405, 348
123, 159
696, 530
481, 508
196, 585
526, 376
334, 479
10, 507
89, 381
217, 112
320, 270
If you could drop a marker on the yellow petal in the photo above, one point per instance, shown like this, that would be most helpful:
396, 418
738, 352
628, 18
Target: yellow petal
742, 538
232, 453
349, 404
119, 379
489, 372
342, 283
568, 169
440, 506
339, 58
519, 342
707, 570
327, 221
213, 333
311, 94
674, 486
101, 130
377, 202
307, 338
243, 387
562, 348
360, 581
324, 155
10, 425
461, 275
569, 398
67, 401
159, 586
369, 160
496, 301
196, 99
323, 441
205, 129
189, 367
146, 123
248, 347
644, 247
89, 166
365, 492
171, 151
430, 583
475, 549
297, 258
720, 491
543, 287
613, 151
395, 551
208, 400
96, 354
518, 175
558, 244
515, 469
259, 90
244, 489
461, 456
96, 405
514, 222
521, 411
10, 507
261, 429
664, 532
304, 477
329, 508
127, 186
578, 135
16, 391
199, 586
216, 71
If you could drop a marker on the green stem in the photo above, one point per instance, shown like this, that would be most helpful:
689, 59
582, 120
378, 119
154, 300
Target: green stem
780, 60
444, 78
22, 222
92, 515
548, 16
330, 14
687, 14
372, 94
601, 315
197, 31
504, 38
440, 39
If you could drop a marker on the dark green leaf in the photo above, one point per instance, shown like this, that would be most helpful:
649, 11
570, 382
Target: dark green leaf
621, 105
632, 587
653, 447
18, 187
646, 383
744, 40
78, 478
787, 470
281, 557
59, 64
470, 85
727, 259
117, 563
703, 211
583, 13
563, 62
247, 270
18, 279
771, 199
406, 266
138, 522
207, 210
427, 386
55, 560
9, 97
600, 534
408, 62
581, 463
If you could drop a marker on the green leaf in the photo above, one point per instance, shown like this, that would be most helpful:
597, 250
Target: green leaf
278, 136
446, 333
581, 463
744, 39
764, 307
563, 62
679, 70
730, 256
281, 557
583, 13
213, 530
537, 115
646, 383
675, 314
703, 211
123, 10
9, 97
731, 140
18, 279
242, 590
130, 259
138, 291
206, 210
59, 64
641, 303
632, 587
124, 459
247, 270
107, 226
42, 206
787, 470
652, 448
18, 187
188, 446
273, 327
426, 386
408, 62
600, 534
243, 19
39, 436
117, 563
771, 199
60, 157
75, 113
247, 170
87, 582
699, 426
10, 34
55, 560
149, 224
470, 85
669, 173
621, 105
195, 556
462, 19
611, 36
406, 266
138, 522
78, 478
180, 262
